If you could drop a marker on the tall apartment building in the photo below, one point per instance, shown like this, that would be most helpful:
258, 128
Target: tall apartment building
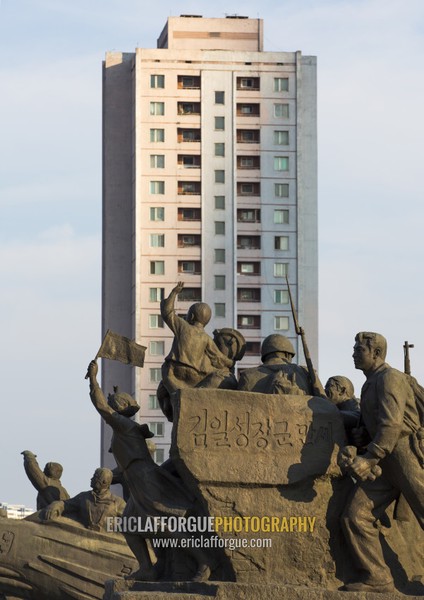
210, 177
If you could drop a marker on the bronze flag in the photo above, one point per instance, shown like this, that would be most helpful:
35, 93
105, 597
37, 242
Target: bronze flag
118, 347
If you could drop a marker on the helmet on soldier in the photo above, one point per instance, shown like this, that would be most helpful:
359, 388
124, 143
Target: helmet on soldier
276, 343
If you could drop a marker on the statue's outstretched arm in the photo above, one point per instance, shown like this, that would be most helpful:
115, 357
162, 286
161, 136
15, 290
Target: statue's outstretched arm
36, 476
97, 397
167, 309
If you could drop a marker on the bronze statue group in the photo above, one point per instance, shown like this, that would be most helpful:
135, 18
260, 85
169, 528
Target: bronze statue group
384, 452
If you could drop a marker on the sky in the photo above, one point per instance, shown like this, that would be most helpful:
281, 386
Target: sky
371, 202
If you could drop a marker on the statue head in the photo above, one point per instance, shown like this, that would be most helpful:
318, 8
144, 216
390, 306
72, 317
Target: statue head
339, 388
122, 403
369, 351
53, 470
230, 342
277, 345
200, 312
101, 479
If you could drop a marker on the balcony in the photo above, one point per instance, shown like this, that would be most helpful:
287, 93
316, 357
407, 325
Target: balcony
190, 294
189, 214
248, 215
248, 83
190, 267
189, 188
188, 135
249, 242
248, 110
248, 294
188, 82
248, 162
248, 189
248, 136
189, 161
248, 322
188, 108
249, 268
189, 240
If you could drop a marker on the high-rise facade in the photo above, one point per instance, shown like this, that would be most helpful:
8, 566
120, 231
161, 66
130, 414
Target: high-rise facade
210, 177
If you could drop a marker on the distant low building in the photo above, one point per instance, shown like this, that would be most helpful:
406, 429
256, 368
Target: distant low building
15, 511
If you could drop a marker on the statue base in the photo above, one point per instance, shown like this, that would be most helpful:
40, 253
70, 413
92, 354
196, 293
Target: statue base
220, 590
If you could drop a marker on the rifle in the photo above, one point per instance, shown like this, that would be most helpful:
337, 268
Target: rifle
317, 387
406, 361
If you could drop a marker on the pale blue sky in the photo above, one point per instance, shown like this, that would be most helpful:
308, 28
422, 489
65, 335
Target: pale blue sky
371, 204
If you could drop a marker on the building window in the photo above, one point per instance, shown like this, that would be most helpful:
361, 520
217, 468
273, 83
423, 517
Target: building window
281, 111
249, 321
248, 136
188, 240
189, 161
220, 202
281, 138
219, 149
219, 176
153, 403
219, 255
157, 135
155, 375
157, 348
249, 242
190, 267
155, 321
219, 97
159, 456
157, 109
189, 214
281, 216
281, 242
219, 227
249, 268
157, 187
157, 240
157, 81
156, 294
157, 267
219, 123
280, 269
281, 84
219, 309
281, 163
281, 323
281, 190
248, 294
281, 297
220, 282
157, 161
157, 427
190, 294
157, 213
248, 215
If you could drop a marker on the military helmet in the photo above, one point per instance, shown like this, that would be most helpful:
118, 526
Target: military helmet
276, 343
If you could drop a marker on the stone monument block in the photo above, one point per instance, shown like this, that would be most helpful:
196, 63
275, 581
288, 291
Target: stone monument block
265, 466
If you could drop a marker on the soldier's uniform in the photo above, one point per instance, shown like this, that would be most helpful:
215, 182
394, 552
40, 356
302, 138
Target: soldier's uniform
389, 414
